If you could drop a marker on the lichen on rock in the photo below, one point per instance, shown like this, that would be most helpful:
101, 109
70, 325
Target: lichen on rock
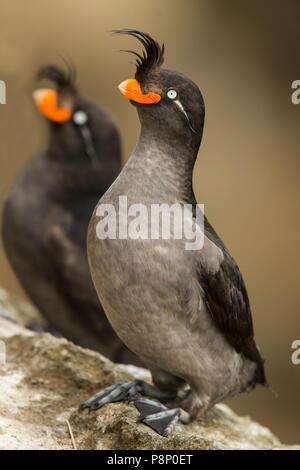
44, 379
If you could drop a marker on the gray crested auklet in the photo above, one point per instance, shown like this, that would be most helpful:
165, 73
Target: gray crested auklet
47, 212
185, 313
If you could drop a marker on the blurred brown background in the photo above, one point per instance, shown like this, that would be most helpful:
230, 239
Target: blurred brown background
244, 56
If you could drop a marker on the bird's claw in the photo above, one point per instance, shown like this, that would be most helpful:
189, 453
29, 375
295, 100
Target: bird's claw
125, 391
157, 416
152, 413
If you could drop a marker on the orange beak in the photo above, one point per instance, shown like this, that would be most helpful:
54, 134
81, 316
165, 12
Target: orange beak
132, 90
46, 101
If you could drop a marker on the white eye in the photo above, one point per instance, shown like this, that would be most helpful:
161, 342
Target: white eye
172, 94
80, 118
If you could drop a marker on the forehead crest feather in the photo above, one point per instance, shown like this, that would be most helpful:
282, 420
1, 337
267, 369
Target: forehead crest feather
151, 58
63, 79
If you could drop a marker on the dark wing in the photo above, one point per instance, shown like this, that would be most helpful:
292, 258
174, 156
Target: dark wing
227, 300
71, 267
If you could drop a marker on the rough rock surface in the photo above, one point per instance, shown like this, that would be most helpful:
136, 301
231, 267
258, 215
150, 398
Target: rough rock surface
44, 379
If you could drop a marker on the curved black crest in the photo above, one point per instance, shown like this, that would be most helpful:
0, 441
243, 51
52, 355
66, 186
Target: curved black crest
63, 78
153, 55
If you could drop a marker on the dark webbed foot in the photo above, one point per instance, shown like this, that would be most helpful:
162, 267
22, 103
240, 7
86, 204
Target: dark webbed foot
126, 391
157, 416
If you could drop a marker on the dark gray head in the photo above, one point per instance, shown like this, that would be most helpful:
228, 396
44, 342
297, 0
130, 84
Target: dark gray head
168, 102
80, 131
